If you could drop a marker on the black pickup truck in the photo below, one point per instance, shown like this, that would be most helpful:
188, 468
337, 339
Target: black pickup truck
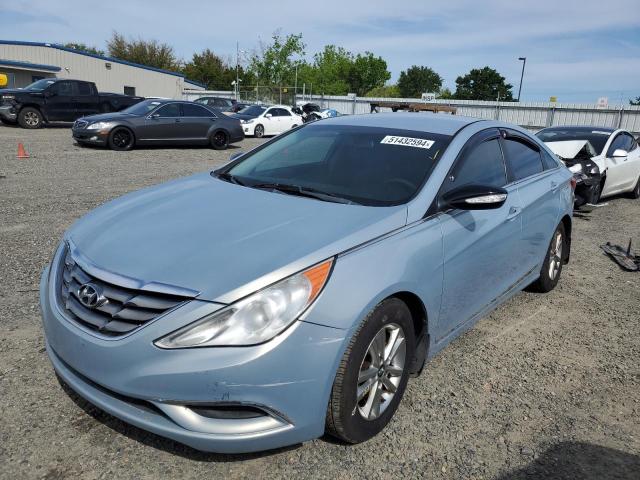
58, 100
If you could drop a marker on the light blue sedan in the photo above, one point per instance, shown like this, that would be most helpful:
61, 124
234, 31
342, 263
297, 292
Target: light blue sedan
293, 291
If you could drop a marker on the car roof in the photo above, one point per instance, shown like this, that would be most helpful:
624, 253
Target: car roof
428, 122
578, 128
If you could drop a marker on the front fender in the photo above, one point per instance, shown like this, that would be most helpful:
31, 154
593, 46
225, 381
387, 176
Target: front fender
408, 260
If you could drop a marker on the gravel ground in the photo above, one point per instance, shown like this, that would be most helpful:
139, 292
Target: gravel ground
548, 386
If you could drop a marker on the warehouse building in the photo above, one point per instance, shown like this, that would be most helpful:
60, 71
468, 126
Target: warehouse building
25, 62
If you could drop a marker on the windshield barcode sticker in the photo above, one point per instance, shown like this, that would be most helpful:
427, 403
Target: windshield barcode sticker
407, 141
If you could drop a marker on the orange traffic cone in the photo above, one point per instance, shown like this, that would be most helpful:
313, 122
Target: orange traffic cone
22, 153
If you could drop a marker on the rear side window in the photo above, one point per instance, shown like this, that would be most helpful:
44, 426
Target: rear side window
548, 161
84, 89
522, 159
190, 110
480, 165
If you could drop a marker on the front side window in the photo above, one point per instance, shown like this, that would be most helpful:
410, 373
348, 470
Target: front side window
480, 165
62, 88
368, 165
522, 159
623, 141
170, 110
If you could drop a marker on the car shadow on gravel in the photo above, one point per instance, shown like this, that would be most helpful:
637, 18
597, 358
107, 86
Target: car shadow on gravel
577, 460
156, 147
156, 441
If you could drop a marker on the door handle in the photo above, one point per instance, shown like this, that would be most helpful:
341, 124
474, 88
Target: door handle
554, 185
178, 120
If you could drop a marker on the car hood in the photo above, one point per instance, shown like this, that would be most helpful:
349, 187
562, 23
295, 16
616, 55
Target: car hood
221, 239
107, 117
570, 148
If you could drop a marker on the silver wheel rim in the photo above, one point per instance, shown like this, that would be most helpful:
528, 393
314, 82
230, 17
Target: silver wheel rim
555, 256
381, 371
31, 119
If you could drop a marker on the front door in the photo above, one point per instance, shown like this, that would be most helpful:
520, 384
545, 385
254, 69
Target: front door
60, 107
270, 122
162, 125
622, 171
480, 246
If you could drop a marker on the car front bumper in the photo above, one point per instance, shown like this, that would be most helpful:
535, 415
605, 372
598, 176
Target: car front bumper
91, 137
8, 113
289, 379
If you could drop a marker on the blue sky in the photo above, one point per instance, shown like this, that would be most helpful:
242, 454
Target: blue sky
576, 50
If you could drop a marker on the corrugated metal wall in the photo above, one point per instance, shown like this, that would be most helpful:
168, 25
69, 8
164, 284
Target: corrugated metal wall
148, 83
533, 115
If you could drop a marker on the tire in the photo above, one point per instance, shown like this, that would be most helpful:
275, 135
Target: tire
30, 118
355, 420
258, 132
635, 193
219, 140
121, 139
553, 261
596, 191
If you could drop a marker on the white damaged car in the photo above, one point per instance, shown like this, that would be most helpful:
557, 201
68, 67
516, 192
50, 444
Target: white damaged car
604, 161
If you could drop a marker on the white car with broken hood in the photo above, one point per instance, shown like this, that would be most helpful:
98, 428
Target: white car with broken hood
605, 161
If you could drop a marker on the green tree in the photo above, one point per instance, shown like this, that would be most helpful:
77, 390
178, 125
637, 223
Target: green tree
483, 84
634, 102
274, 64
445, 94
211, 70
367, 72
418, 80
84, 48
387, 91
330, 71
146, 52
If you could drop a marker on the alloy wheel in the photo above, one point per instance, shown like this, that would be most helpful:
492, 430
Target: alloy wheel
220, 139
32, 119
121, 138
381, 371
555, 256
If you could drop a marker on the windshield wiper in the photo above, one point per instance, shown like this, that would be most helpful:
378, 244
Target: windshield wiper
227, 177
304, 192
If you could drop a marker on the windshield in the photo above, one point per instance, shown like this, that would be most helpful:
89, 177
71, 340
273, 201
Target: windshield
39, 85
367, 165
252, 110
597, 138
142, 108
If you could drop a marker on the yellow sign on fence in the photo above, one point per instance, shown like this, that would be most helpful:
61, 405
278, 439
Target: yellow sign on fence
4, 80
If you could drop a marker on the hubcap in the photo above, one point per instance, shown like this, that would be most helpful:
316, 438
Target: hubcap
31, 118
121, 138
381, 371
555, 256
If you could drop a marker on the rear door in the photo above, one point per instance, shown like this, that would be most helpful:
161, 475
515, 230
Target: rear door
197, 121
539, 192
481, 247
163, 124
86, 100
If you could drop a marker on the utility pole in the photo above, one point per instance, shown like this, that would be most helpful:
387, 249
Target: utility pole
295, 88
237, 67
524, 62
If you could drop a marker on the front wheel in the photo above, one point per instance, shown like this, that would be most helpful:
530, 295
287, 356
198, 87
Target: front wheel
596, 191
121, 139
373, 374
553, 261
635, 193
258, 131
30, 118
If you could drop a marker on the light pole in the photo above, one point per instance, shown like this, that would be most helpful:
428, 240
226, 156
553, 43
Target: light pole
238, 52
524, 62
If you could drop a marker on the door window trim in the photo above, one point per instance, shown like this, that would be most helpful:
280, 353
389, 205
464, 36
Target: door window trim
155, 110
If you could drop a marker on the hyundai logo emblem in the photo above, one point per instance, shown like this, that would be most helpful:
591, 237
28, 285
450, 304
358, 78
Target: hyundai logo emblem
90, 295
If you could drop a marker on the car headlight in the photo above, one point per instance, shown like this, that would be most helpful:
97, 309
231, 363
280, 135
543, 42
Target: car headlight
577, 168
100, 126
251, 120
256, 318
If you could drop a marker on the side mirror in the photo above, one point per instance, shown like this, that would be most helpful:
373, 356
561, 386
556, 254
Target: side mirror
235, 155
475, 197
49, 94
268, 115
620, 153
154, 116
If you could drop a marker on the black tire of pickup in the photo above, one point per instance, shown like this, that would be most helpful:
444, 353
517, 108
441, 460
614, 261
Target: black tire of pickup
30, 118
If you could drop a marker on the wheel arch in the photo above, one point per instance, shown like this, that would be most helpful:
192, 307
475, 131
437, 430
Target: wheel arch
420, 327
32, 105
566, 222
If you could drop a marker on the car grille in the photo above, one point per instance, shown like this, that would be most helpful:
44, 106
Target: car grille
117, 310
80, 124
